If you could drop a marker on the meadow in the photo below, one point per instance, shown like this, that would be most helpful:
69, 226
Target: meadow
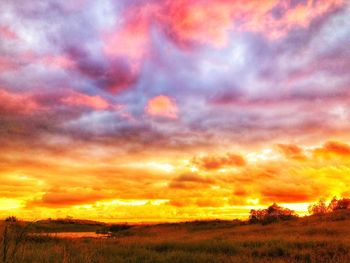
317, 238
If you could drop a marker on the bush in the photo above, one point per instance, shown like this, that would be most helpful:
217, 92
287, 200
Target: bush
334, 205
271, 214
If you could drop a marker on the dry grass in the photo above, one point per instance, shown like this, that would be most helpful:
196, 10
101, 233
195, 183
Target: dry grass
312, 239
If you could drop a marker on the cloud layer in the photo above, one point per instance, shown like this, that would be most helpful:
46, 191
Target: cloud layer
204, 108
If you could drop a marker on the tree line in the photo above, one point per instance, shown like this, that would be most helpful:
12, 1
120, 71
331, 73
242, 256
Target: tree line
276, 213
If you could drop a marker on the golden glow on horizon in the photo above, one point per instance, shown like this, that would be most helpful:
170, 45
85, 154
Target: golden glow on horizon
161, 166
8, 204
177, 189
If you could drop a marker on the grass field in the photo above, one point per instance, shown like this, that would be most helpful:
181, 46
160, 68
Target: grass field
311, 239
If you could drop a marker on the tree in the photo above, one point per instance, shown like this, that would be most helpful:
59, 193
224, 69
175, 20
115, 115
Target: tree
271, 214
334, 205
342, 204
257, 216
319, 208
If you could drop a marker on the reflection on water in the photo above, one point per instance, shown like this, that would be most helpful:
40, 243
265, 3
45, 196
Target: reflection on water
74, 235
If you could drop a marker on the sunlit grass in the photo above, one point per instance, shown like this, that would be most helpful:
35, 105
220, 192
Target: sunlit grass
324, 238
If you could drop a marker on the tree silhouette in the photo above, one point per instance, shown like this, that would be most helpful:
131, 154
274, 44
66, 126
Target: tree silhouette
319, 208
271, 214
341, 204
334, 205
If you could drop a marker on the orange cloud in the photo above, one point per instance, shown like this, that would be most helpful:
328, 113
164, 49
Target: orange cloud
217, 162
198, 202
62, 198
292, 151
337, 148
162, 106
333, 149
289, 195
211, 202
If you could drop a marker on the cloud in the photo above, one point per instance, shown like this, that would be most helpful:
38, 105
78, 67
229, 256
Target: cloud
214, 162
198, 202
292, 151
337, 148
110, 75
93, 91
93, 102
7, 64
333, 149
7, 33
58, 61
273, 19
17, 103
191, 181
162, 106
131, 39
64, 198
288, 194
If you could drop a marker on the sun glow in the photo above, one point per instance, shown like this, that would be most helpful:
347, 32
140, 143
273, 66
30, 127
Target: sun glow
8, 204
168, 168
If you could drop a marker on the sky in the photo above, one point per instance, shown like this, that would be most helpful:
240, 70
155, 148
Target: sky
171, 110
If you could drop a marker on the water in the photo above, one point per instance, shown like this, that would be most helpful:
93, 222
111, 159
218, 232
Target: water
74, 235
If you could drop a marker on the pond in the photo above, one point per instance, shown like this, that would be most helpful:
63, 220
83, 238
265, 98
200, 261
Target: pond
74, 235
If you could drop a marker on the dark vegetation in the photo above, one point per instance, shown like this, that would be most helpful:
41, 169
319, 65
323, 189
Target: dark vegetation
273, 213
273, 234
335, 205
67, 225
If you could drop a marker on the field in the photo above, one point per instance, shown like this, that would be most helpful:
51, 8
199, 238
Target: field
316, 239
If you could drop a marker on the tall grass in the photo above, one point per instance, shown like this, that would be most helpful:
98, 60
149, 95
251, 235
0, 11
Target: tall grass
310, 240
13, 238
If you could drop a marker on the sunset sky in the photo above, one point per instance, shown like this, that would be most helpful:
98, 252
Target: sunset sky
170, 110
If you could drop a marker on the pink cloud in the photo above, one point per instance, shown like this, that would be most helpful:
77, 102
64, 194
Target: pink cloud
7, 64
58, 61
83, 100
210, 22
132, 39
7, 33
261, 19
17, 103
195, 21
